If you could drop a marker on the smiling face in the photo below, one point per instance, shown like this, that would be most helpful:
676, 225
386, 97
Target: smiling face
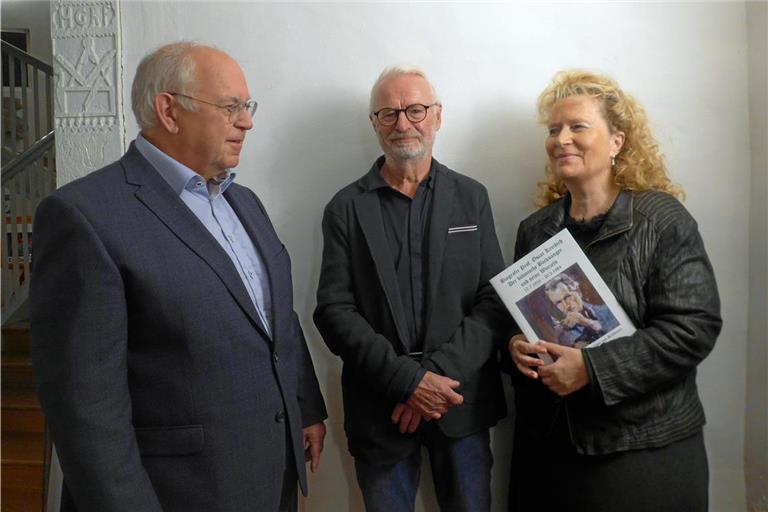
406, 140
211, 142
579, 141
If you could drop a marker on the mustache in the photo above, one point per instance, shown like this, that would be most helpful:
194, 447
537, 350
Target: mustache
404, 135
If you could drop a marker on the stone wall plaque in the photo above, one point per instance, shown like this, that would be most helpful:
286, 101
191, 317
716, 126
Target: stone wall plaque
87, 85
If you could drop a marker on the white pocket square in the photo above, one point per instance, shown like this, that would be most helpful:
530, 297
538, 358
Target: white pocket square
462, 229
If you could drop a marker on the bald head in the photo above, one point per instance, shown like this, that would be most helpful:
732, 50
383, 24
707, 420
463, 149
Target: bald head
170, 68
395, 71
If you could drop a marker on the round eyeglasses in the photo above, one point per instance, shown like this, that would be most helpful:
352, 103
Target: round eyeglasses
415, 113
233, 109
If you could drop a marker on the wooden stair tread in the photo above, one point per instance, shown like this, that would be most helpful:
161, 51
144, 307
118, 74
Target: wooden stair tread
23, 447
14, 398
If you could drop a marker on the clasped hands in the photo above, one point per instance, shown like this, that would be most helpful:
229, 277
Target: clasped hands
429, 401
568, 372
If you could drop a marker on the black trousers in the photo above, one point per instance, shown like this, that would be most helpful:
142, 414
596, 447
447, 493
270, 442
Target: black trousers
553, 477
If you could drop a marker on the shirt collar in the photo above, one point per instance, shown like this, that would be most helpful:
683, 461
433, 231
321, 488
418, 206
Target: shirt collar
178, 175
374, 180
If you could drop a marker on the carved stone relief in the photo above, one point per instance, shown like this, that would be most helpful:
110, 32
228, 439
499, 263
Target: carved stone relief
87, 84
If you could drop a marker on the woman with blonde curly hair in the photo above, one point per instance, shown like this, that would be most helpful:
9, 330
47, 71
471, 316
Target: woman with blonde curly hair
618, 426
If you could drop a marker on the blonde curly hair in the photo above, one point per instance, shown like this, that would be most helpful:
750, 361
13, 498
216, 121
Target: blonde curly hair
639, 164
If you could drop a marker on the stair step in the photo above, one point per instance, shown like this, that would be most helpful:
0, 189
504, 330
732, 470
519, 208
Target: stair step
20, 398
18, 475
22, 420
22, 500
16, 338
23, 446
17, 372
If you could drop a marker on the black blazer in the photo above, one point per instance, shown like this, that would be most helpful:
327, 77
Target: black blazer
360, 315
161, 388
642, 392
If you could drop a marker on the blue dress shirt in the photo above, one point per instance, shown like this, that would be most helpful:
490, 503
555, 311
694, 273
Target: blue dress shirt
206, 200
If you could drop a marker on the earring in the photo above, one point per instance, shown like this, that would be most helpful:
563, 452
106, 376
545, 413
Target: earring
613, 161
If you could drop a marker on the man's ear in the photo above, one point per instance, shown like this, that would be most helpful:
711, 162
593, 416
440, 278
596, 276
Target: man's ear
165, 112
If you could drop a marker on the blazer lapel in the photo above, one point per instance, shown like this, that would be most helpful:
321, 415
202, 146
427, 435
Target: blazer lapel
157, 196
442, 206
258, 227
368, 211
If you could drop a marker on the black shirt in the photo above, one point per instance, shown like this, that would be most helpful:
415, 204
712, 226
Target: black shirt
406, 222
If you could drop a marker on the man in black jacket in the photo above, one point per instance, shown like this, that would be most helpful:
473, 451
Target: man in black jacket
404, 300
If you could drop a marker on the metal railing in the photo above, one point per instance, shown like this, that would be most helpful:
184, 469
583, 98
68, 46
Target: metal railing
28, 168
27, 100
25, 182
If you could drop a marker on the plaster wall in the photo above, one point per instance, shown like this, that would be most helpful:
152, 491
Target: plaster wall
34, 15
311, 65
756, 417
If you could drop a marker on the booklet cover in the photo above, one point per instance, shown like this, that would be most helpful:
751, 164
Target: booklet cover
555, 294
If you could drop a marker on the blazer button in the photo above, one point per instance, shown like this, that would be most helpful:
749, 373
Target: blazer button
280, 417
274, 356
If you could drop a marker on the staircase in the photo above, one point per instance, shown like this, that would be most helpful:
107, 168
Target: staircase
27, 175
28, 168
24, 442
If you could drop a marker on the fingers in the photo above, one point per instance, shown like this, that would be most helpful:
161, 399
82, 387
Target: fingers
314, 437
519, 350
453, 384
567, 374
415, 422
525, 370
315, 448
405, 419
397, 412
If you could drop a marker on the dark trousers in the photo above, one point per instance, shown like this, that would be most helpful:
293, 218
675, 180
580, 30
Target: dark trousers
461, 469
672, 478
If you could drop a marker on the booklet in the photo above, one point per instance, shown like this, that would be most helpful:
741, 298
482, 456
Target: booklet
555, 294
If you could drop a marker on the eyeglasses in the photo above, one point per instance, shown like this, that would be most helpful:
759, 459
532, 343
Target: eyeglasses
233, 109
414, 113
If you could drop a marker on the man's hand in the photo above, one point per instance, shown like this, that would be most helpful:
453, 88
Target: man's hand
568, 373
434, 395
573, 318
314, 435
408, 419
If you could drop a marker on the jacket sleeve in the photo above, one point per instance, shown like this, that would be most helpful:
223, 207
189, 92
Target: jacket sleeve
346, 332
309, 396
486, 327
682, 320
79, 335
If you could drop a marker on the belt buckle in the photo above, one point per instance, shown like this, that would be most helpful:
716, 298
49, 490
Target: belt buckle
416, 356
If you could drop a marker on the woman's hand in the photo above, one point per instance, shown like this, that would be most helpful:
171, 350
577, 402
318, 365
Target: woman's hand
568, 373
519, 350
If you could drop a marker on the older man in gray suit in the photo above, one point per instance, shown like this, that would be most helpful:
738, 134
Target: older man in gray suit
171, 366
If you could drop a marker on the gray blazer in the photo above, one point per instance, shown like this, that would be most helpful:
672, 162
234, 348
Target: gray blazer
361, 317
161, 389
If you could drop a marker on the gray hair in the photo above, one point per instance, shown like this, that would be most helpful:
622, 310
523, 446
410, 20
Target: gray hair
168, 68
402, 70
561, 279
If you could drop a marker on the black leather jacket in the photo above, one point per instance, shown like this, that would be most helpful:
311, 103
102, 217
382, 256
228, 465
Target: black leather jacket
642, 390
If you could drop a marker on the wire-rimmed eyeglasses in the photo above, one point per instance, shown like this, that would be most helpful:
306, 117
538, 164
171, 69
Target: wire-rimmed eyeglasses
233, 109
415, 113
